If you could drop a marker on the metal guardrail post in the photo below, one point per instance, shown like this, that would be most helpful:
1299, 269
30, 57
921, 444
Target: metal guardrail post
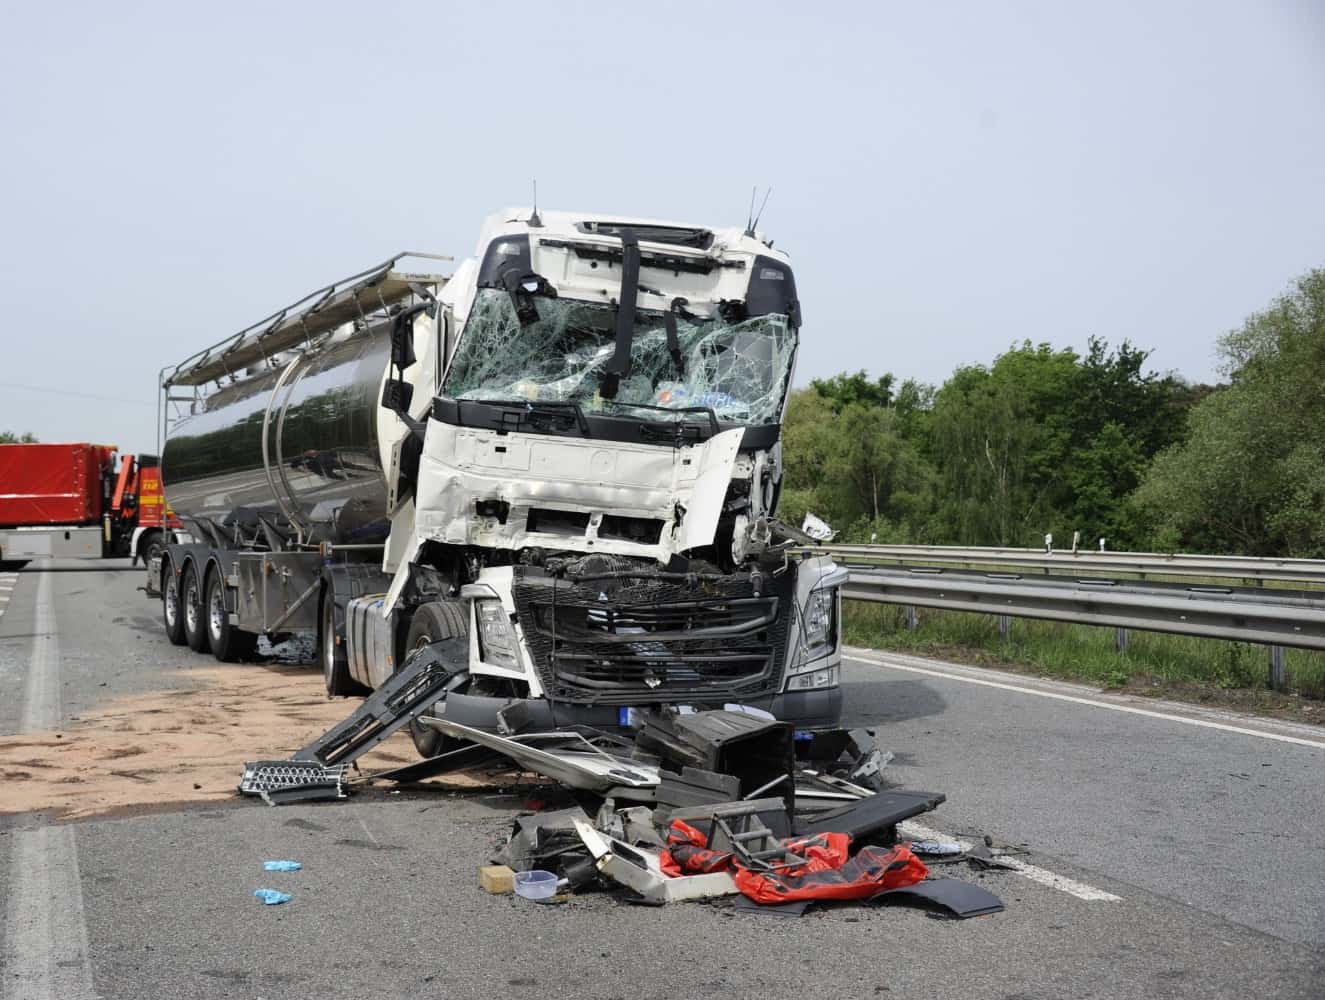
1004, 627
911, 616
1278, 680
1120, 639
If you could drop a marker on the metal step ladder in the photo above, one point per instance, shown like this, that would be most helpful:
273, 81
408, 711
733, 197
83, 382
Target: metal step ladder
425, 677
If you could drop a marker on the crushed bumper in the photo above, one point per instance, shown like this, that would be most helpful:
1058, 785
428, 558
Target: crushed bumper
810, 710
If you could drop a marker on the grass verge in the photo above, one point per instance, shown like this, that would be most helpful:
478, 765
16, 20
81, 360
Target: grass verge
1205, 671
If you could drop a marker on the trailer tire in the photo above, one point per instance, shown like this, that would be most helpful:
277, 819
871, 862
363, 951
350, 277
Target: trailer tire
171, 607
433, 622
335, 659
195, 625
229, 643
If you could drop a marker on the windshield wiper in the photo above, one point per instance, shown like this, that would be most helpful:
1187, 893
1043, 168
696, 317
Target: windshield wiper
529, 411
708, 411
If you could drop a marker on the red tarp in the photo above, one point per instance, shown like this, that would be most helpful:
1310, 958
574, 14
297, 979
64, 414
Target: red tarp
829, 873
51, 483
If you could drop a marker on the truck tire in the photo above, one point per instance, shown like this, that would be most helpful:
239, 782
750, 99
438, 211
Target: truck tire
195, 625
172, 609
335, 659
229, 643
433, 622
150, 546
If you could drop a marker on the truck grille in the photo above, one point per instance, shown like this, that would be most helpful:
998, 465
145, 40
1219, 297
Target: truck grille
647, 638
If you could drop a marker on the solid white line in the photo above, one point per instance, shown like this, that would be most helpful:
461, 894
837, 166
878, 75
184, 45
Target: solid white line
1092, 702
46, 954
1062, 883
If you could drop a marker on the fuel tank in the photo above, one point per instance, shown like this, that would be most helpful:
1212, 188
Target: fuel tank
320, 468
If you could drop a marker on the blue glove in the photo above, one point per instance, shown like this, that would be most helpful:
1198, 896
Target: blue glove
271, 897
282, 866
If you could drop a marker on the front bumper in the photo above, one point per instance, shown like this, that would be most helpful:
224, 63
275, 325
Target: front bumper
810, 710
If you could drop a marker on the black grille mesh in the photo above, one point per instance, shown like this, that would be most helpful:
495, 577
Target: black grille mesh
637, 639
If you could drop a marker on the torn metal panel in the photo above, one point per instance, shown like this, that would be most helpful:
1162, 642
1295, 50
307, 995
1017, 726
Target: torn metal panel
566, 757
538, 476
641, 871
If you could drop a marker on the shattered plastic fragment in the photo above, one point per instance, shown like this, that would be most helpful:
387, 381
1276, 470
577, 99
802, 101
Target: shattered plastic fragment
271, 897
282, 866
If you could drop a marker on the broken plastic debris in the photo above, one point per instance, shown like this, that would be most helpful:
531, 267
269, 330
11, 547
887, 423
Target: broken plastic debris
271, 897
935, 847
282, 866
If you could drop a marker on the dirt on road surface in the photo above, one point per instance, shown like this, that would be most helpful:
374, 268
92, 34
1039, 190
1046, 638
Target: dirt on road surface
185, 745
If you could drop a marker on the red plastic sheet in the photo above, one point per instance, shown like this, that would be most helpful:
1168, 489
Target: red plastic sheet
829, 872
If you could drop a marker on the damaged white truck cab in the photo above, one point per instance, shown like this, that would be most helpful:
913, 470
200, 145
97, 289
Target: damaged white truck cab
578, 436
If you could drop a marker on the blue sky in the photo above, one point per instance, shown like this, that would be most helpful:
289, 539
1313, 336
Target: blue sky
948, 180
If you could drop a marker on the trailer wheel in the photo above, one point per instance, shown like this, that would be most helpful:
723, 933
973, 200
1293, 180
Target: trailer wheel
229, 644
171, 608
433, 622
195, 627
335, 660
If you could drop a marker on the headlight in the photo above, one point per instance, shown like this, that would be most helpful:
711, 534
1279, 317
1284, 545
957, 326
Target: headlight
496, 638
827, 677
820, 621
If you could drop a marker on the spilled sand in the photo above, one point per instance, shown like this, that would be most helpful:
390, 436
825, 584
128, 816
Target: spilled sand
181, 746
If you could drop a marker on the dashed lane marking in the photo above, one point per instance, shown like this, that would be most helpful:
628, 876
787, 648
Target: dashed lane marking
1062, 883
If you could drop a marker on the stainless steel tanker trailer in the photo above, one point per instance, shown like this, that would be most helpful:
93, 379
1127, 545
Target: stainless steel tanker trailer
567, 454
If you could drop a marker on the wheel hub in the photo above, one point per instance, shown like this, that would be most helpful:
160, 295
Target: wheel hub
216, 613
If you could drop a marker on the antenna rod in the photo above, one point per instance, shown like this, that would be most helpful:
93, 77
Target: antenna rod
534, 221
760, 214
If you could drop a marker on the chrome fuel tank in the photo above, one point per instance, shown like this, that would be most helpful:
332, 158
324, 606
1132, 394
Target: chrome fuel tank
298, 442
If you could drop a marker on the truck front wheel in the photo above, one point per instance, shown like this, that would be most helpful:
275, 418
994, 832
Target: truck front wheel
172, 611
229, 644
195, 628
433, 622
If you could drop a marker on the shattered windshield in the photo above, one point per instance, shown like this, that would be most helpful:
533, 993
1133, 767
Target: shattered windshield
739, 370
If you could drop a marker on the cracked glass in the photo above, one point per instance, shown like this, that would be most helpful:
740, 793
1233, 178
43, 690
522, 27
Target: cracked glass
739, 370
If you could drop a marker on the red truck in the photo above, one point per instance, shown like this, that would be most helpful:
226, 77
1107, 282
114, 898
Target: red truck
78, 501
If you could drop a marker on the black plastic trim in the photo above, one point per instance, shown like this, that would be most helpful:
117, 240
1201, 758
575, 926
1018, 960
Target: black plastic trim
488, 416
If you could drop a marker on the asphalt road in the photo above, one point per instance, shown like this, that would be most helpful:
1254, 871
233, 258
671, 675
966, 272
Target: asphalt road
1171, 854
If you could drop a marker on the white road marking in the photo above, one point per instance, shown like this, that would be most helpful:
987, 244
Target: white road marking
46, 954
915, 831
1092, 702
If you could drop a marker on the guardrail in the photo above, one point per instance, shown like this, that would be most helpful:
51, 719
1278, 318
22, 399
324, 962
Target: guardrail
1141, 564
1274, 617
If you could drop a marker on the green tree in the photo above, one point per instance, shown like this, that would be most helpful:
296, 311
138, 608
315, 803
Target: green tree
1250, 477
9, 437
845, 389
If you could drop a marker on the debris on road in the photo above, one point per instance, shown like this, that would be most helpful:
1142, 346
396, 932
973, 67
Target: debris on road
673, 804
282, 866
496, 879
962, 899
272, 897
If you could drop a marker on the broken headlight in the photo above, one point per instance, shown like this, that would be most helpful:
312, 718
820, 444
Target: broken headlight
820, 632
496, 638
